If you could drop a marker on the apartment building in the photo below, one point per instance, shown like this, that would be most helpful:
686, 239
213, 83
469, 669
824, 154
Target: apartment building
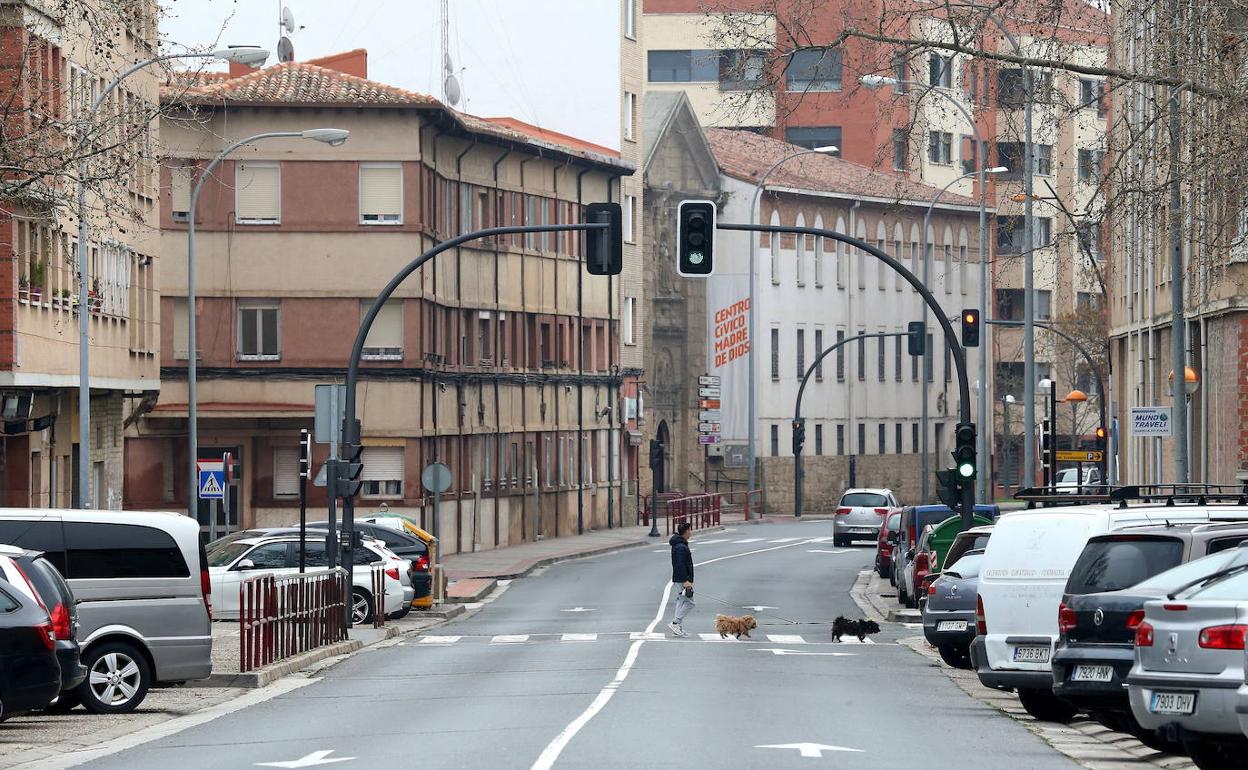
54, 66
627, 294
501, 358
863, 407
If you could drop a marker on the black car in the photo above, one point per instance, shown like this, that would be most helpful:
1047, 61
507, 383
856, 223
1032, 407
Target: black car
58, 600
30, 677
1104, 603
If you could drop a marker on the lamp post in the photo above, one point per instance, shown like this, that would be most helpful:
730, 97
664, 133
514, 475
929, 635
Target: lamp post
878, 81
249, 55
1006, 401
331, 136
1074, 398
753, 315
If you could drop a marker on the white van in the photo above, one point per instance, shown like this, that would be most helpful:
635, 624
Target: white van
1021, 579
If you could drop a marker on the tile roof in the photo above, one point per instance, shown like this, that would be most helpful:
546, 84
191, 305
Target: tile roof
545, 134
746, 156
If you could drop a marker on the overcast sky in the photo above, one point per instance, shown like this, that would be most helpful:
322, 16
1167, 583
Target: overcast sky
554, 63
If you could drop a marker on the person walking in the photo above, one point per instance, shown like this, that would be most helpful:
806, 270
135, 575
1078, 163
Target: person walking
682, 576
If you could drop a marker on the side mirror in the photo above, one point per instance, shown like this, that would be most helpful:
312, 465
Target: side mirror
245, 564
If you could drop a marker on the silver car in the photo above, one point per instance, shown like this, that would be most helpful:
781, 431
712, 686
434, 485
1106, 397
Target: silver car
1189, 664
860, 514
949, 612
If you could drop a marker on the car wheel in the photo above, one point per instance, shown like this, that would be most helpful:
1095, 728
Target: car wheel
64, 702
1045, 706
361, 606
901, 595
879, 569
958, 657
1212, 756
117, 679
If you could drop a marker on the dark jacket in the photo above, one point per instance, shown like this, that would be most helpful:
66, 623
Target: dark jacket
682, 560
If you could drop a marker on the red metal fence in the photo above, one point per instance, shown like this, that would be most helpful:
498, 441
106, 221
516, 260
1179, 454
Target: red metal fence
284, 615
377, 573
701, 511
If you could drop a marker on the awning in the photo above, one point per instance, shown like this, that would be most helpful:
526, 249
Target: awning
223, 409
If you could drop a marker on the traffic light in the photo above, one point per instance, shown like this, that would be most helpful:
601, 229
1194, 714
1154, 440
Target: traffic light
695, 238
1046, 438
970, 328
604, 252
656, 454
351, 464
916, 337
949, 490
964, 450
799, 436
1100, 437
305, 454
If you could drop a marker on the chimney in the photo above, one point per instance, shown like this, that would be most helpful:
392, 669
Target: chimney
238, 69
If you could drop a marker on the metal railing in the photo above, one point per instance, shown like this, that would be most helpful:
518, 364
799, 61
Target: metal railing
377, 577
656, 503
283, 615
701, 511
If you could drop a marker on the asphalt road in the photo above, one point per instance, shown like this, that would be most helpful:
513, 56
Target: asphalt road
558, 671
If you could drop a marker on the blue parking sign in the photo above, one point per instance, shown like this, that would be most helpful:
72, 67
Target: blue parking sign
211, 485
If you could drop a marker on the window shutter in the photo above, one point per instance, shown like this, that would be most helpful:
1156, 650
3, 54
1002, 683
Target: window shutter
386, 335
285, 471
258, 188
181, 348
381, 193
382, 463
180, 189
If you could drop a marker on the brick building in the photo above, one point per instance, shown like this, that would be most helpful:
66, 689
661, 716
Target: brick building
499, 359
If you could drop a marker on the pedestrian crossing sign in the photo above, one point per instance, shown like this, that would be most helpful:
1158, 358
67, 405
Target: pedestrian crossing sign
211, 484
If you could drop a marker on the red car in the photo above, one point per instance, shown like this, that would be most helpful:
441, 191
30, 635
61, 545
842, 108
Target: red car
884, 548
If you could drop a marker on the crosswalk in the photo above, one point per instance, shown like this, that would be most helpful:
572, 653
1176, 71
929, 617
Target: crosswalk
434, 640
697, 543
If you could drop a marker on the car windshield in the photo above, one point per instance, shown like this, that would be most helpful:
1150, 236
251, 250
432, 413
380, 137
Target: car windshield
1118, 562
234, 537
864, 500
967, 566
1196, 569
1232, 586
221, 555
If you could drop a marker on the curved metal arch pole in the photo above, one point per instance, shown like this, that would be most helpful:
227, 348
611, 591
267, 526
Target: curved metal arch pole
797, 409
951, 340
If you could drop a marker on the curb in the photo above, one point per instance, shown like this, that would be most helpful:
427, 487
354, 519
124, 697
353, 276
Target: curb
283, 668
444, 612
487, 585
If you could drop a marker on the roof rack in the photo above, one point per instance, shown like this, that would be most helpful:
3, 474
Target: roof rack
1170, 494
1045, 497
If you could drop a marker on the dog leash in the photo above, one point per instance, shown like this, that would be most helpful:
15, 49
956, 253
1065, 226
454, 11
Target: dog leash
759, 612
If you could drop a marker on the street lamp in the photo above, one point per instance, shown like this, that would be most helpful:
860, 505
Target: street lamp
249, 55
753, 367
981, 439
1191, 381
334, 137
1006, 402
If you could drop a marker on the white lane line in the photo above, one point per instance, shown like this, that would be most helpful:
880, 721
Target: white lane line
751, 540
784, 540
639, 636
579, 637
820, 539
439, 639
509, 639
716, 638
854, 640
551, 753
716, 540
823, 550
786, 639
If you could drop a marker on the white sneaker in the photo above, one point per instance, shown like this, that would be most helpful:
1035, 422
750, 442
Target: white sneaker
676, 629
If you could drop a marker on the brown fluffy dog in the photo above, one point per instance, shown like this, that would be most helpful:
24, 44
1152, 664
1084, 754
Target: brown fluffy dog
738, 626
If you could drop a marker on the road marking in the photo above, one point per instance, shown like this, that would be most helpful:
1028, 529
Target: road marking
579, 637
776, 651
784, 540
822, 550
510, 639
551, 753
474, 605
310, 760
717, 638
439, 639
812, 750
712, 542
913, 625
758, 607
751, 540
579, 608
503, 583
854, 640
820, 539
786, 639
640, 636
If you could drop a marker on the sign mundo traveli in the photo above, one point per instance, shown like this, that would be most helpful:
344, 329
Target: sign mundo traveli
1150, 421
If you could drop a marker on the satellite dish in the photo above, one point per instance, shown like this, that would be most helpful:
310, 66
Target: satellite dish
288, 20
285, 51
451, 88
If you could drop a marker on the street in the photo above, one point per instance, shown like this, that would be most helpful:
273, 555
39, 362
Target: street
557, 670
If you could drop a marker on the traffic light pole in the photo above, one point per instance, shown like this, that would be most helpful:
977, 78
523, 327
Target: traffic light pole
351, 426
951, 338
799, 424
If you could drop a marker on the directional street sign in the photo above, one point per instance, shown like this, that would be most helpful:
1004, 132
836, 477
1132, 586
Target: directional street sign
1069, 456
708, 438
708, 427
708, 392
709, 380
710, 415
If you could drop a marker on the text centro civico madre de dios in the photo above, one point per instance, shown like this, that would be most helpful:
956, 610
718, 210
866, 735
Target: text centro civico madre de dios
732, 333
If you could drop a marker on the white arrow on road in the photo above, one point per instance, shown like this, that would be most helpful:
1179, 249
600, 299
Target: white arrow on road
812, 750
778, 651
311, 760
579, 609
758, 607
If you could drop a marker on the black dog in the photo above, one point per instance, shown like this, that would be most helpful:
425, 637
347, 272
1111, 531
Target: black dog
859, 628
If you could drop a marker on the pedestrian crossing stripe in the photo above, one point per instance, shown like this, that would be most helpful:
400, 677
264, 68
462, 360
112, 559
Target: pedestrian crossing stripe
642, 636
820, 640
785, 639
439, 639
509, 639
579, 637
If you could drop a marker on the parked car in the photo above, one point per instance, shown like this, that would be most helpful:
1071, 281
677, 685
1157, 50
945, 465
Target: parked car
30, 677
917, 566
973, 539
231, 563
858, 514
1189, 663
884, 545
143, 596
1021, 581
949, 612
29, 570
1103, 604
1068, 480
913, 519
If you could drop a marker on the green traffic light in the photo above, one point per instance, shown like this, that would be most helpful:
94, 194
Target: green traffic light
966, 470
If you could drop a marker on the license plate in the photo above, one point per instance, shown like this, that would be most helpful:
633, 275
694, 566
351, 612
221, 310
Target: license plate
863, 530
1173, 703
951, 625
1031, 654
1093, 674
